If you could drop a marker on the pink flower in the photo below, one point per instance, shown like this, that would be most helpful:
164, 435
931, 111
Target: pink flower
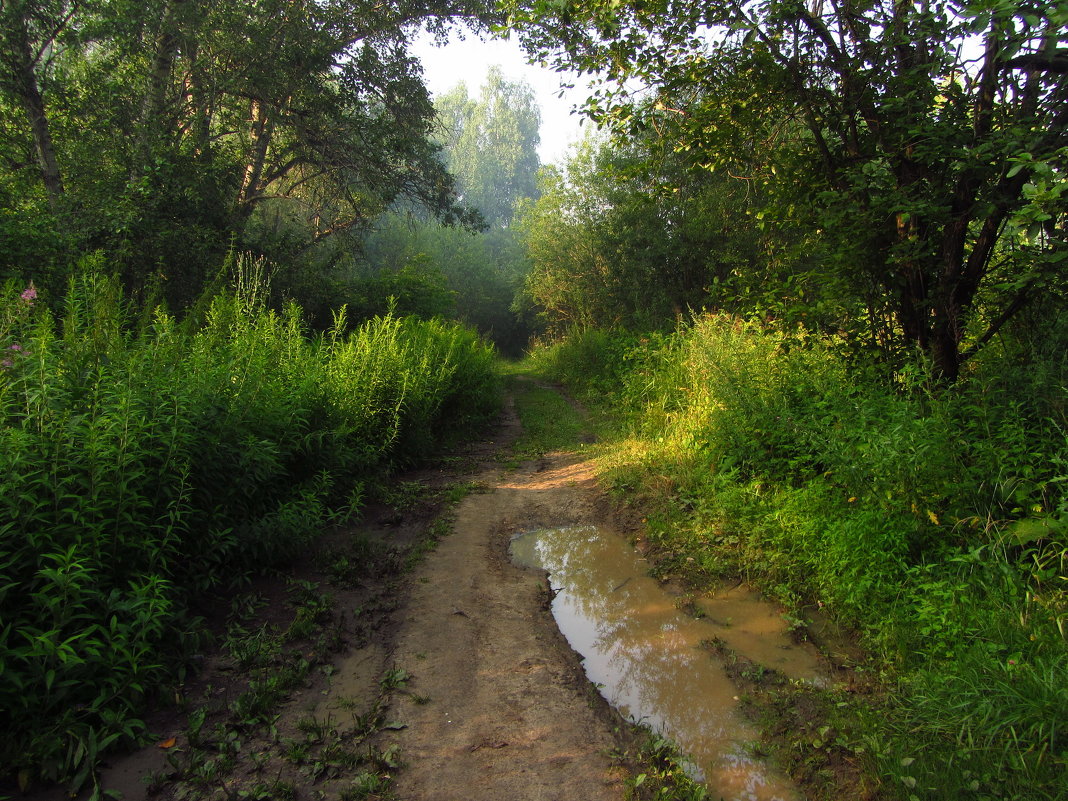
11, 349
29, 294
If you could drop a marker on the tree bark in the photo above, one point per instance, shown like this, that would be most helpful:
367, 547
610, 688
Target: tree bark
154, 100
260, 135
32, 101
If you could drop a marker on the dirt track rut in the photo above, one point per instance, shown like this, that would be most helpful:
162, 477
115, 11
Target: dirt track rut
498, 707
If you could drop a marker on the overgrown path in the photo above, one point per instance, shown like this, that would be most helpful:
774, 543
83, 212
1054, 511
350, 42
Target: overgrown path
377, 669
355, 677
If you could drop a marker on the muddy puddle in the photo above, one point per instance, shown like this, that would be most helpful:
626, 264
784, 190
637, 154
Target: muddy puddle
647, 659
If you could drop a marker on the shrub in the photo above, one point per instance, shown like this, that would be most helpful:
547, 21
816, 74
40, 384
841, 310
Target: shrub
931, 519
142, 466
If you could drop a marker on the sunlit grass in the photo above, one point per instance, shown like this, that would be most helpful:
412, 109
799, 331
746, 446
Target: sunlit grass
760, 452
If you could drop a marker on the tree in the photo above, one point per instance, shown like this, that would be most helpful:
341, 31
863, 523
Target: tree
31, 33
474, 275
628, 234
933, 169
491, 144
175, 128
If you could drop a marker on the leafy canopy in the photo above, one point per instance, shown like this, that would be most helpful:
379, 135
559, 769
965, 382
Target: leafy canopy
923, 144
162, 131
491, 144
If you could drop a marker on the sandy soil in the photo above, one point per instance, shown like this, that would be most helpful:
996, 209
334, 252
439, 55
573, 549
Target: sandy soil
499, 707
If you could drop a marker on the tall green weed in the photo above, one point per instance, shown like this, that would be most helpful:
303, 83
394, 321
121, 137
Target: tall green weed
142, 465
591, 360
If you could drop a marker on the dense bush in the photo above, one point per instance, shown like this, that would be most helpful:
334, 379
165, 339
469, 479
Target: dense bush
142, 465
931, 519
590, 358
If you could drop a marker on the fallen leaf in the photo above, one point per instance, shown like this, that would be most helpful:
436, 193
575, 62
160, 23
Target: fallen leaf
168, 743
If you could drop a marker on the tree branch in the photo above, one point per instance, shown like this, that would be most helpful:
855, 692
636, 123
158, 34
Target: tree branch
1055, 62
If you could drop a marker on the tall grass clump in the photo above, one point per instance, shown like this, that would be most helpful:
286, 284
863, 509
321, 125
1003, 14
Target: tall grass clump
143, 464
590, 360
932, 520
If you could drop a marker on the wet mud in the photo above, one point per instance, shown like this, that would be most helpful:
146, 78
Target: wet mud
649, 658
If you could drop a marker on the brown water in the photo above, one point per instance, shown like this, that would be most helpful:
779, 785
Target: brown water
646, 658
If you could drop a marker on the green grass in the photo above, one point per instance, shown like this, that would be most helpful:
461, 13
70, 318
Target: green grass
931, 521
218, 757
549, 421
660, 774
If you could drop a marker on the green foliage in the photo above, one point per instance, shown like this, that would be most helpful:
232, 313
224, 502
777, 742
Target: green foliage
662, 774
429, 269
593, 360
139, 467
914, 154
165, 131
630, 235
932, 522
491, 145
990, 717
549, 421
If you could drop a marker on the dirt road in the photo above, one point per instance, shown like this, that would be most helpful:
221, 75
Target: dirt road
499, 707
356, 678
449, 682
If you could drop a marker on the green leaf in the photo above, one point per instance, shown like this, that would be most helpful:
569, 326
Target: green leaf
1032, 530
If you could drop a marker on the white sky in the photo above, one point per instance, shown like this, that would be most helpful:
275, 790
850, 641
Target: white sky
468, 62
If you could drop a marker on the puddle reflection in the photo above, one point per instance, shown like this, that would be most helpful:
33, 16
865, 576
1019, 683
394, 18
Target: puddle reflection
645, 654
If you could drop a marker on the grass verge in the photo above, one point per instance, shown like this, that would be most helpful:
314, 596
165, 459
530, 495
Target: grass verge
929, 522
550, 420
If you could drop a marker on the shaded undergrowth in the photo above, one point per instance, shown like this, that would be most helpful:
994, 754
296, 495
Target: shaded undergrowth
146, 461
279, 718
550, 420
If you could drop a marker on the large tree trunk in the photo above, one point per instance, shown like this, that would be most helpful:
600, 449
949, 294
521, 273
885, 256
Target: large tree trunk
33, 103
29, 93
154, 102
260, 133
944, 345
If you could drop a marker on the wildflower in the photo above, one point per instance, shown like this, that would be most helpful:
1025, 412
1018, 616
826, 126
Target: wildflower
29, 294
16, 348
